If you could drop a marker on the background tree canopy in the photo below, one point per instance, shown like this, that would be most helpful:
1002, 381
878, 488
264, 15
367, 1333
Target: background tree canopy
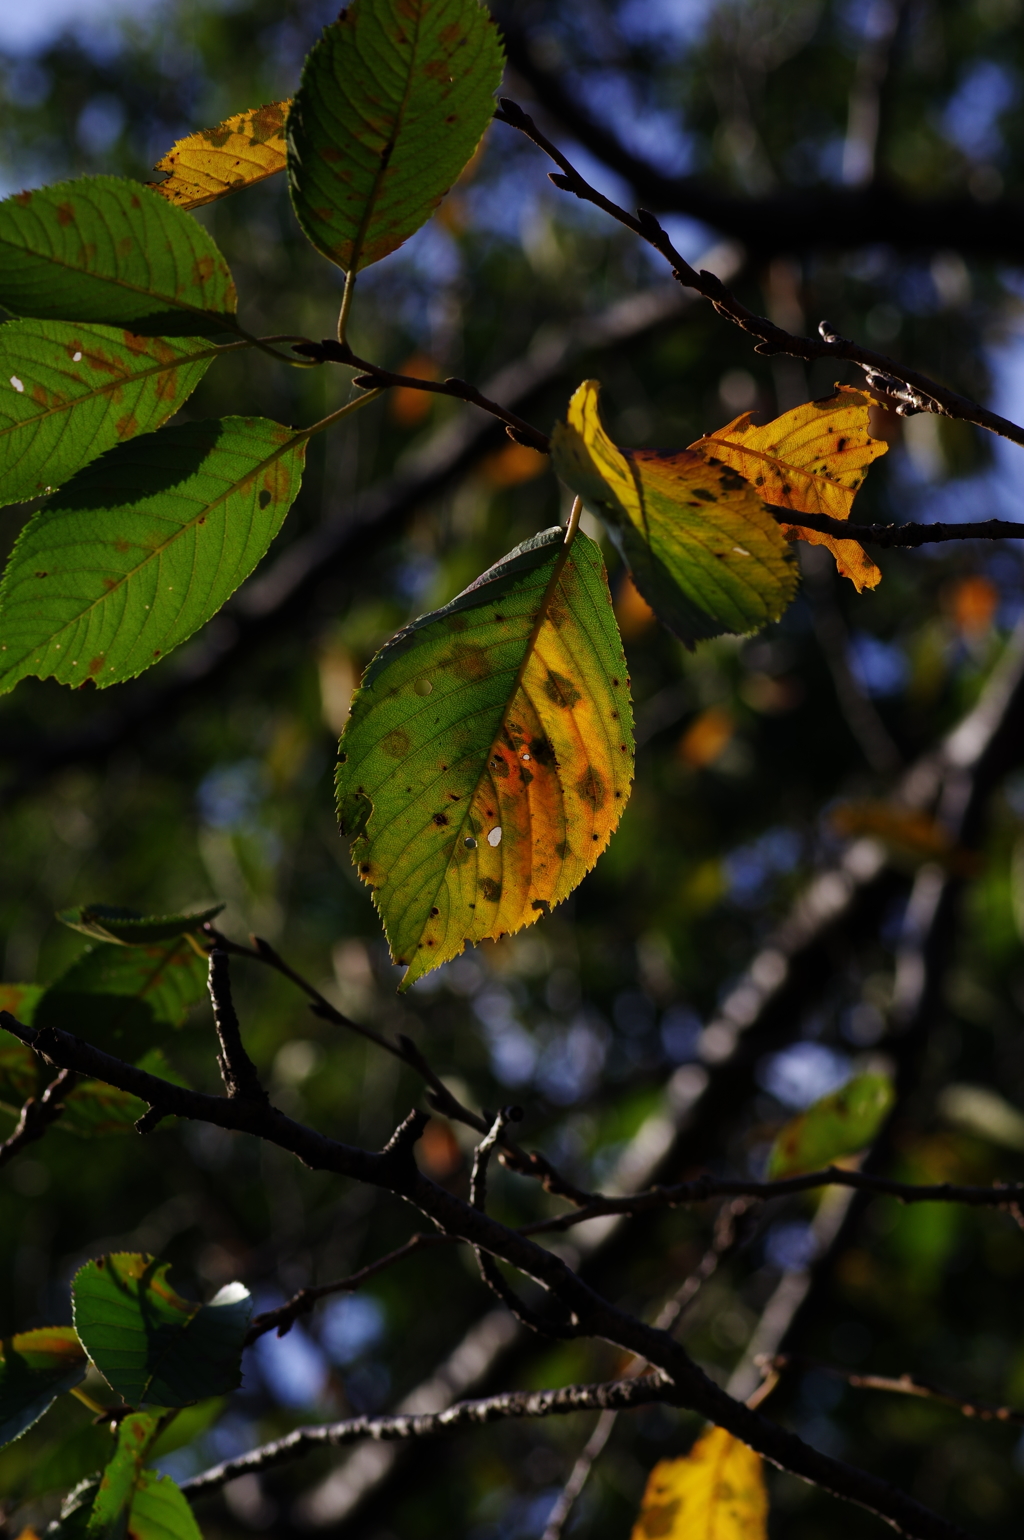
818, 881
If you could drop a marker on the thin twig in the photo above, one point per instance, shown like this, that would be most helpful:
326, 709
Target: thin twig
370, 375
901, 535
591, 1451
907, 390
285, 1316
903, 1385
36, 1116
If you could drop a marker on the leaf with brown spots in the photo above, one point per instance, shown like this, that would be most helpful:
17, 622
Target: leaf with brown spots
489, 753
35, 1368
393, 103
213, 162
142, 547
68, 392
812, 459
698, 541
716, 1492
838, 1124
105, 250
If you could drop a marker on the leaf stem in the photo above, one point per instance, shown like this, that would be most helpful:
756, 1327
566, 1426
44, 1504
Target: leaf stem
343, 411
87, 1400
575, 514
346, 302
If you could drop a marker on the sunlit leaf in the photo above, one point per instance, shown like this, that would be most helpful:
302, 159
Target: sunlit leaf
716, 1492
152, 1346
121, 1476
94, 1110
489, 753
69, 392
111, 251
213, 162
35, 1368
142, 547
838, 1124
701, 548
812, 459
393, 102
125, 999
109, 923
160, 1511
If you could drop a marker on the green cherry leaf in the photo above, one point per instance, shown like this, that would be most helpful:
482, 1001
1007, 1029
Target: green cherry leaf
35, 1368
107, 922
68, 392
108, 250
838, 1124
393, 102
152, 1346
142, 547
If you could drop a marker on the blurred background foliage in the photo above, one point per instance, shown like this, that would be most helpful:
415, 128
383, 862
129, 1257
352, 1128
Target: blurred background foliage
745, 750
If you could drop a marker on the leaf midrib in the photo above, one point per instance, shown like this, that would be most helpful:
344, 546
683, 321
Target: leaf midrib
102, 390
181, 530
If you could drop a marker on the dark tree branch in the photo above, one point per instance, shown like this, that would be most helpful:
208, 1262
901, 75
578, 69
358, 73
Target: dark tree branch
907, 389
36, 1116
237, 1070
894, 535
514, 1404
792, 219
394, 1170
284, 1317
372, 376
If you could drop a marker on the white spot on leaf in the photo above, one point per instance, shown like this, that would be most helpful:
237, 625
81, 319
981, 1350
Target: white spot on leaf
76, 358
494, 838
19, 387
740, 551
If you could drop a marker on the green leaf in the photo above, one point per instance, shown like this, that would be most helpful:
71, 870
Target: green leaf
161, 1511
125, 998
393, 102
108, 250
70, 392
94, 1110
839, 1124
153, 1347
135, 1435
73, 1523
109, 923
701, 546
35, 1368
489, 753
142, 547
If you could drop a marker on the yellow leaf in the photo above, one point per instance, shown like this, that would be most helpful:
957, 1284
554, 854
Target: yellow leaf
216, 161
813, 460
716, 1492
697, 539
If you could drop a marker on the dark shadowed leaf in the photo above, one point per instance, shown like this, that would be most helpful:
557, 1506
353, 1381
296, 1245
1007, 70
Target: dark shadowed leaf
489, 753
107, 250
393, 102
108, 923
703, 550
35, 1368
839, 1124
142, 547
68, 392
125, 999
153, 1347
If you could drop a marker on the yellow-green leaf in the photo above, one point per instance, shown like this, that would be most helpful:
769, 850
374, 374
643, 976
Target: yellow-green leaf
489, 753
838, 1124
716, 1492
703, 550
213, 162
35, 1368
812, 459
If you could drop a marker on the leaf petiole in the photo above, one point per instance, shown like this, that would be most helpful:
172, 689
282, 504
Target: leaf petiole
346, 302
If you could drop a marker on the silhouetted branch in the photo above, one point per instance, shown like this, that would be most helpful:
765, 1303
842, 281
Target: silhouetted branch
790, 219
906, 389
36, 1116
903, 535
237, 1070
903, 1385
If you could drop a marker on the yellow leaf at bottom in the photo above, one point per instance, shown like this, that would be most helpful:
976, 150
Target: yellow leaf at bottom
213, 162
716, 1492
